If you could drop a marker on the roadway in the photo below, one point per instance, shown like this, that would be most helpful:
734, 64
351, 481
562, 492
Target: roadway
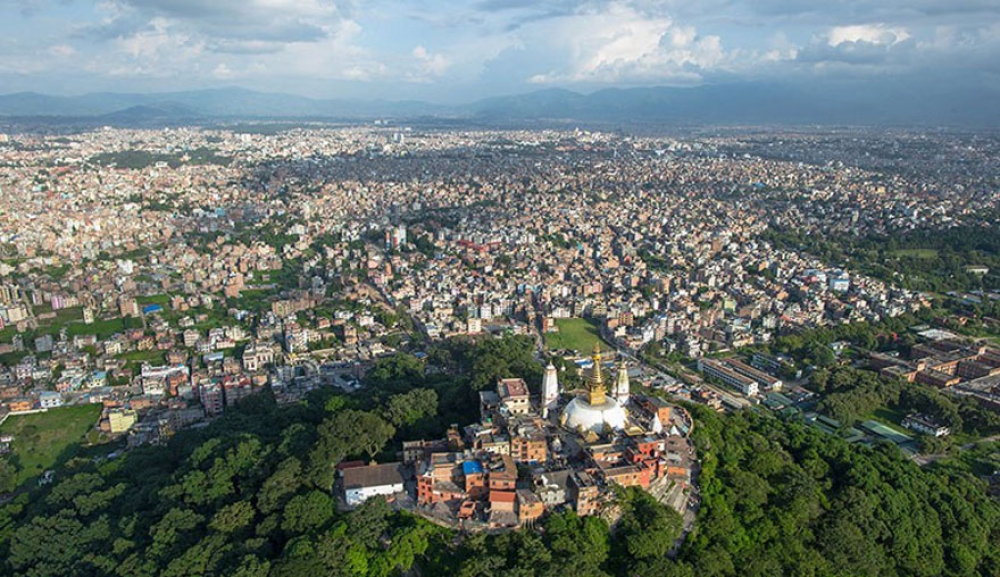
924, 460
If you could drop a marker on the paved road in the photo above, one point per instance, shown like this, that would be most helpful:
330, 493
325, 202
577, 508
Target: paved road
923, 460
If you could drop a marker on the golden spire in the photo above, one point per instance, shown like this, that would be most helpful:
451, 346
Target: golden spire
596, 391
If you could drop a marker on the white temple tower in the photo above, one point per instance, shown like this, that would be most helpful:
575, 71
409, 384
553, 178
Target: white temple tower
622, 388
550, 390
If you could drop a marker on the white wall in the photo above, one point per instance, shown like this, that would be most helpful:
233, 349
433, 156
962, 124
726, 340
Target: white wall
358, 496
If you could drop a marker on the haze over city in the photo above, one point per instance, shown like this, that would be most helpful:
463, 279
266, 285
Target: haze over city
452, 52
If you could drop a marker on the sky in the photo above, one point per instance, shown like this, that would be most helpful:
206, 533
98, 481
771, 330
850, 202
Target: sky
458, 50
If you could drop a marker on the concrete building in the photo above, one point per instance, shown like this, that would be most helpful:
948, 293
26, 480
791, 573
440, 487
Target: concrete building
623, 387
121, 420
50, 400
513, 395
923, 424
731, 378
367, 481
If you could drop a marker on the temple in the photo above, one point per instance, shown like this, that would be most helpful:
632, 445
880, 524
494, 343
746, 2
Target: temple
594, 410
530, 455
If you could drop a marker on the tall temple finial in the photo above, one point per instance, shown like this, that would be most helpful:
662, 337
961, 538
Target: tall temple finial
596, 391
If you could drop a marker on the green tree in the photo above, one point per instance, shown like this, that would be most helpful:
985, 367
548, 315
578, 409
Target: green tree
648, 529
308, 512
8, 476
280, 486
233, 517
408, 408
349, 432
396, 373
509, 356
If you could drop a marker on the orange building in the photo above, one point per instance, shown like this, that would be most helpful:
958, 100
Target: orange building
19, 405
529, 507
585, 493
504, 476
503, 501
531, 448
627, 476
476, 485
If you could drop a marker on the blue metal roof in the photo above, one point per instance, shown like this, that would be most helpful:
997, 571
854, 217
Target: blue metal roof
470, 467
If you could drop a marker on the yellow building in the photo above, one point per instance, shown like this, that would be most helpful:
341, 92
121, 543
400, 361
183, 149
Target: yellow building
121, 420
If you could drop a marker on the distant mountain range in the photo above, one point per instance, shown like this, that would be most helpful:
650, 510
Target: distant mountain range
720, 104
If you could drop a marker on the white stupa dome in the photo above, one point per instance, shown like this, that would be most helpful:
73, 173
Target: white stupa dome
581, 416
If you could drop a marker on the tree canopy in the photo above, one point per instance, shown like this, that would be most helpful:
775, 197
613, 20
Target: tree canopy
250, 495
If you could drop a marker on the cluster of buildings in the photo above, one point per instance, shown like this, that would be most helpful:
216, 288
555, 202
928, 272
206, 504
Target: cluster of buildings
941, 363
234, 260
530, 454
534, 225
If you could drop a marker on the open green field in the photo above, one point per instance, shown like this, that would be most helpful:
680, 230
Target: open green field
162, 300
72, 320
43, 439
135, 359
576, 334
915, 253
104, 328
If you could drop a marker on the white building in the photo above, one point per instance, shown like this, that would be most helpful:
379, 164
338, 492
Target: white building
50, 400
256, 356
595, 411
731, 378
926, 425
513, 395
362, 483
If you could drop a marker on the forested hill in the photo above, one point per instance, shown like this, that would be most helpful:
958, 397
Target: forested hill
250, 496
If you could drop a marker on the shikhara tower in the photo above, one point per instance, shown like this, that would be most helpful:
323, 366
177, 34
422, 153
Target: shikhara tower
622, 388
550, 390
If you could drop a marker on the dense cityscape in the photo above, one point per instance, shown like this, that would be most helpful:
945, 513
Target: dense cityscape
154, 283
481, 288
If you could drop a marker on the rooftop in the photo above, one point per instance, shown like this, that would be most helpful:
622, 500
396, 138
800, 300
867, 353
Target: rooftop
374, 476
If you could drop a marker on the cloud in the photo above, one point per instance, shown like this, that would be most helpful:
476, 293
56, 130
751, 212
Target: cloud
620, 44
871, 46
226, 24
877, 34
236, 14
428, 65
440, 48
227, 39
158, 50
62, 51
223, 72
